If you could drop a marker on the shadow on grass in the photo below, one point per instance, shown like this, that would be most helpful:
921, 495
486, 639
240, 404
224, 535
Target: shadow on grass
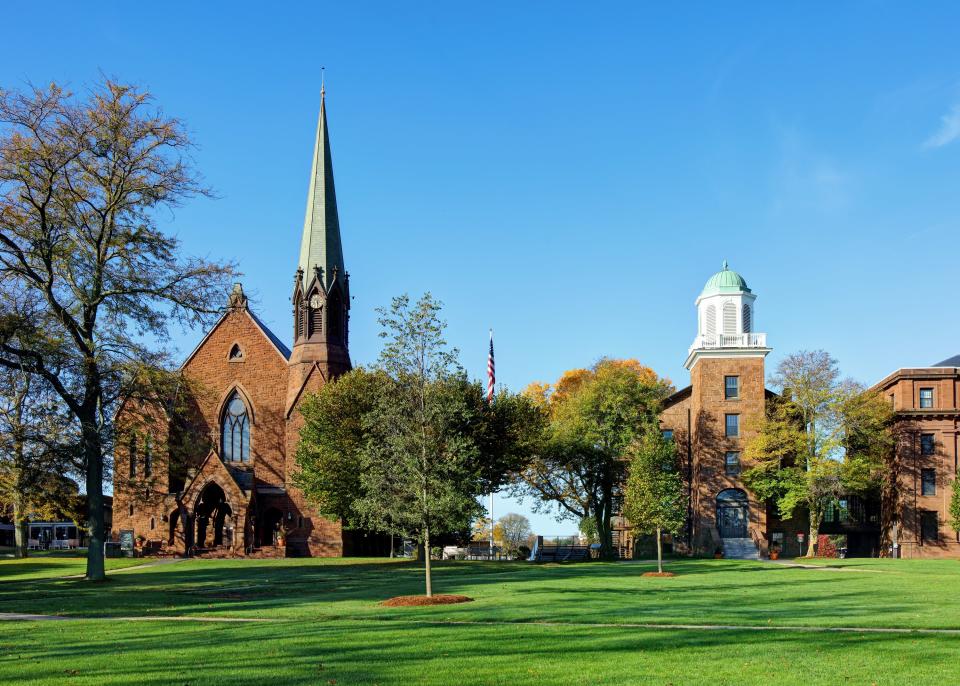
404, 652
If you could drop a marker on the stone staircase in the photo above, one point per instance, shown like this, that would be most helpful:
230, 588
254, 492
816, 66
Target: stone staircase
740, 549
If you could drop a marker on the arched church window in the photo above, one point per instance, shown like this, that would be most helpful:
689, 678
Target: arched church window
747, 319
298, 317
235, 431
729, 318
236, 353
316, 314
711, 324
132, 452
147, 457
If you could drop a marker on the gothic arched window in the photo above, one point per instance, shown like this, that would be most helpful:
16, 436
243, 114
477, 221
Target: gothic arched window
132, 451
729, 318
316, 315
147, 457
747, 319
235, 431
711, 323
298, 319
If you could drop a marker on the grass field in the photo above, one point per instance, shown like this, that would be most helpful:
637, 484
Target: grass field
597, 623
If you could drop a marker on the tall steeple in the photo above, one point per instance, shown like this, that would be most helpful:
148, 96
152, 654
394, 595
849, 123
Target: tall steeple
321, 288
320, 245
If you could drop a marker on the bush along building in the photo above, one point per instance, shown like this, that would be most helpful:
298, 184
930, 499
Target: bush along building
226, 488
924, 465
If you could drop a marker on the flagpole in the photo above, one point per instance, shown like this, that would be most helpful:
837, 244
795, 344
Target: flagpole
491, 381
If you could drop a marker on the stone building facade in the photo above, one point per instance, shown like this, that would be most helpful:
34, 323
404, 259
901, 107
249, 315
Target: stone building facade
926, 403
230, 488
711, 419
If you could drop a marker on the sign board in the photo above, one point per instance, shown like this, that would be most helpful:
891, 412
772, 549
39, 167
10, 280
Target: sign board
126, 539
800, 537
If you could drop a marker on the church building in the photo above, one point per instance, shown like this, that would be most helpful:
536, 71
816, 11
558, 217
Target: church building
233, 493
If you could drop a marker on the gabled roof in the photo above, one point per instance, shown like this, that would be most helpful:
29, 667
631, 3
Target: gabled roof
278, 345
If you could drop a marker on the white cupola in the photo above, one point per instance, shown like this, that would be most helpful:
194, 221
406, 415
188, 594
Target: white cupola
726, 317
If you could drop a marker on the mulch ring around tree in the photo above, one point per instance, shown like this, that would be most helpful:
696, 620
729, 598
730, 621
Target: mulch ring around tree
418, 600
661, 574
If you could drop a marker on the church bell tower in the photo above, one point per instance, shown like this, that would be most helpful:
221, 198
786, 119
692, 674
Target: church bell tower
321, 288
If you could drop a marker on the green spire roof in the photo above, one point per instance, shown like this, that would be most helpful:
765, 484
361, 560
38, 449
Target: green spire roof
320, 246
725, 281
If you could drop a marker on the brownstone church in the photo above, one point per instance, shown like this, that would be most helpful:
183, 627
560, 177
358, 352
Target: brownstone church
239, 497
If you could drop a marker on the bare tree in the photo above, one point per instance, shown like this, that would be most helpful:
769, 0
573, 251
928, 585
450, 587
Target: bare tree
91, 281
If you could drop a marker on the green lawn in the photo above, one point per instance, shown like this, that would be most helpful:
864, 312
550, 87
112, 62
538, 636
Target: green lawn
529, 625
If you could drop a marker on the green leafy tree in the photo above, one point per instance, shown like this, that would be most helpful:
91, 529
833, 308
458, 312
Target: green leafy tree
955, 505
821, 439
37, 453
654, 502
408, 447
92, 281
594, 414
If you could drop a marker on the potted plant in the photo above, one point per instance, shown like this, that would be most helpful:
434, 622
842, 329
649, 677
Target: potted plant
774, 552
718, 553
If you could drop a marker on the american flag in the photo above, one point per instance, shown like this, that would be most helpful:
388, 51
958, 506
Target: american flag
491, 371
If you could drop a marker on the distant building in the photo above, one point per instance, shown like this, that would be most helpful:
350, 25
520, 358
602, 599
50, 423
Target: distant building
924, 466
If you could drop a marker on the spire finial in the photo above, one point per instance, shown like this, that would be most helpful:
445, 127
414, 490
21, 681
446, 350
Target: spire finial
725, 267
323, 90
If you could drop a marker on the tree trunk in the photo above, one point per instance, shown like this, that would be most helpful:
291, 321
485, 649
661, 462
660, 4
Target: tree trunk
426, 559
93, 457
603, 533
814, 531
659, 551
21, 532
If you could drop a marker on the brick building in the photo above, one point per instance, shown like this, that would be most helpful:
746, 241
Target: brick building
924, 466
710, 421
232, 491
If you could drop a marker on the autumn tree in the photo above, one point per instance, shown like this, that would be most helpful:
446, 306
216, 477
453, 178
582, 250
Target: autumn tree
594, 414
37, 454
821, 439
653, 499
92, 279
511, 531
407, 447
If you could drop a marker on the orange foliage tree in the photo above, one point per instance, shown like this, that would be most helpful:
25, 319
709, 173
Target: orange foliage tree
594, 414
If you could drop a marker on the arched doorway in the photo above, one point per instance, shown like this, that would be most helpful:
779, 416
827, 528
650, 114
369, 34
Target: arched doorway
270, 522
733, 513
214, 518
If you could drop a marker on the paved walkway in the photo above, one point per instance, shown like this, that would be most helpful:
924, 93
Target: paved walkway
700, 627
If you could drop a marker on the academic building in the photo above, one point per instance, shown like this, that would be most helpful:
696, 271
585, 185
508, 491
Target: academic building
235, 495
710, 421
924, 466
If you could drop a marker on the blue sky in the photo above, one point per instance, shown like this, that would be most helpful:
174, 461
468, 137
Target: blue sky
570, 177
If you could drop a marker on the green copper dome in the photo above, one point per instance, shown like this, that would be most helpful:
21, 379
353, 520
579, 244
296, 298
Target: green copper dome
725, 281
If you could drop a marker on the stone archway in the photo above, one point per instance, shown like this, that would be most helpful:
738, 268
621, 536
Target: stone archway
733, 513
213, 518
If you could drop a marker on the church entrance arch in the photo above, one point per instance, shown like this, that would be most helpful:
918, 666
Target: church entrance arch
214, 518
733, 513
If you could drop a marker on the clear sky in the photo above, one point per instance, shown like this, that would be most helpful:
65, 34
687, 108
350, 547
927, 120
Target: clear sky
565, 175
